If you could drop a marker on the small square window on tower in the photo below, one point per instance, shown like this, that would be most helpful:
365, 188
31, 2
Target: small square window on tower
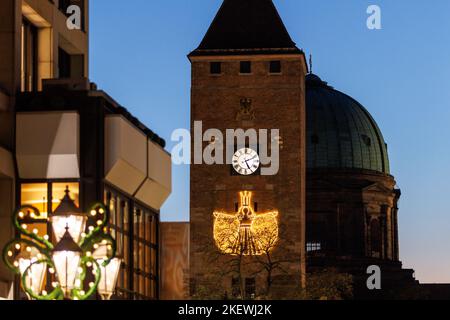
246, 67
216, 68
275, 67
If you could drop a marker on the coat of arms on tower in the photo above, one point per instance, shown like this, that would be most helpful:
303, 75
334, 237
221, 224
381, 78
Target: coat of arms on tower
246, 112
246, 232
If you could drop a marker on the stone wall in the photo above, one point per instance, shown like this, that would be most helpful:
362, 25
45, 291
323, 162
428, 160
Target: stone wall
278, 102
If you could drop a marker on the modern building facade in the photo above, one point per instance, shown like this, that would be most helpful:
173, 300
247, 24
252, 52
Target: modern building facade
35, 44
62, 132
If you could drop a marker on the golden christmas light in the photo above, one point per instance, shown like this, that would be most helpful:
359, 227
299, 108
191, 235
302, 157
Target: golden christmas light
246, 232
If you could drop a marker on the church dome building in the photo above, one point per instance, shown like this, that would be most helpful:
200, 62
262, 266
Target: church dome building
351, 197
341, 132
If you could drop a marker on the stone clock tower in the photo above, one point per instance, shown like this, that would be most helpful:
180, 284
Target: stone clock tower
247, 227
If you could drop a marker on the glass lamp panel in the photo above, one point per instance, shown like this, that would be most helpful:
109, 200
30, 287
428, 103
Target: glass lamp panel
66, 265
23, 265
76, 224
109, 275
36, 274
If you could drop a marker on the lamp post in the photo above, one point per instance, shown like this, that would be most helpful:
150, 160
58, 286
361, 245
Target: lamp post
109, 272
35, 275
66, 256
108, 280
70, 259
67, 214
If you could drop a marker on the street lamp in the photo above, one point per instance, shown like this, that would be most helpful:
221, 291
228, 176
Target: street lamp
109, 271
68, 214
108, 281
34, 273
70, 259
66, 256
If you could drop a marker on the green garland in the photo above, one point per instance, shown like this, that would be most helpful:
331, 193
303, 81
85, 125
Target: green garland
97, 236
56, 294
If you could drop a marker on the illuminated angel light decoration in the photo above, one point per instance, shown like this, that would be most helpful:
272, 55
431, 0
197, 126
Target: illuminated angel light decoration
246, 232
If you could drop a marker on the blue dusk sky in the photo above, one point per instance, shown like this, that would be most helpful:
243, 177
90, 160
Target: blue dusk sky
400, 74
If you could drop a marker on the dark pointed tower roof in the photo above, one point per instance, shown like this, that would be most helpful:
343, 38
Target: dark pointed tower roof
246, 26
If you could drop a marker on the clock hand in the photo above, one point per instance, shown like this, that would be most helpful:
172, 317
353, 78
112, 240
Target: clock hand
246, 162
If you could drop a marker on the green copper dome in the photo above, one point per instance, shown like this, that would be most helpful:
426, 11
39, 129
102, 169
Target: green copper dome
341, 134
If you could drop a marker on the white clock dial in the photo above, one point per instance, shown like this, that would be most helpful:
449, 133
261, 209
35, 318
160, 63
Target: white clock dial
246, 161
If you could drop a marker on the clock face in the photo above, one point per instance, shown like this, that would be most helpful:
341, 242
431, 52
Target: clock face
246, 161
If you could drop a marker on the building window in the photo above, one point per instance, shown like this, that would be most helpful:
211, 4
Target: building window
215, 68
63, 63
58, 192
236, 288
70, 66
45, 196
375, 238
28, 64
137, 244
246, 67
250, 288
36, 195
192, 287
275, 67
313, 247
